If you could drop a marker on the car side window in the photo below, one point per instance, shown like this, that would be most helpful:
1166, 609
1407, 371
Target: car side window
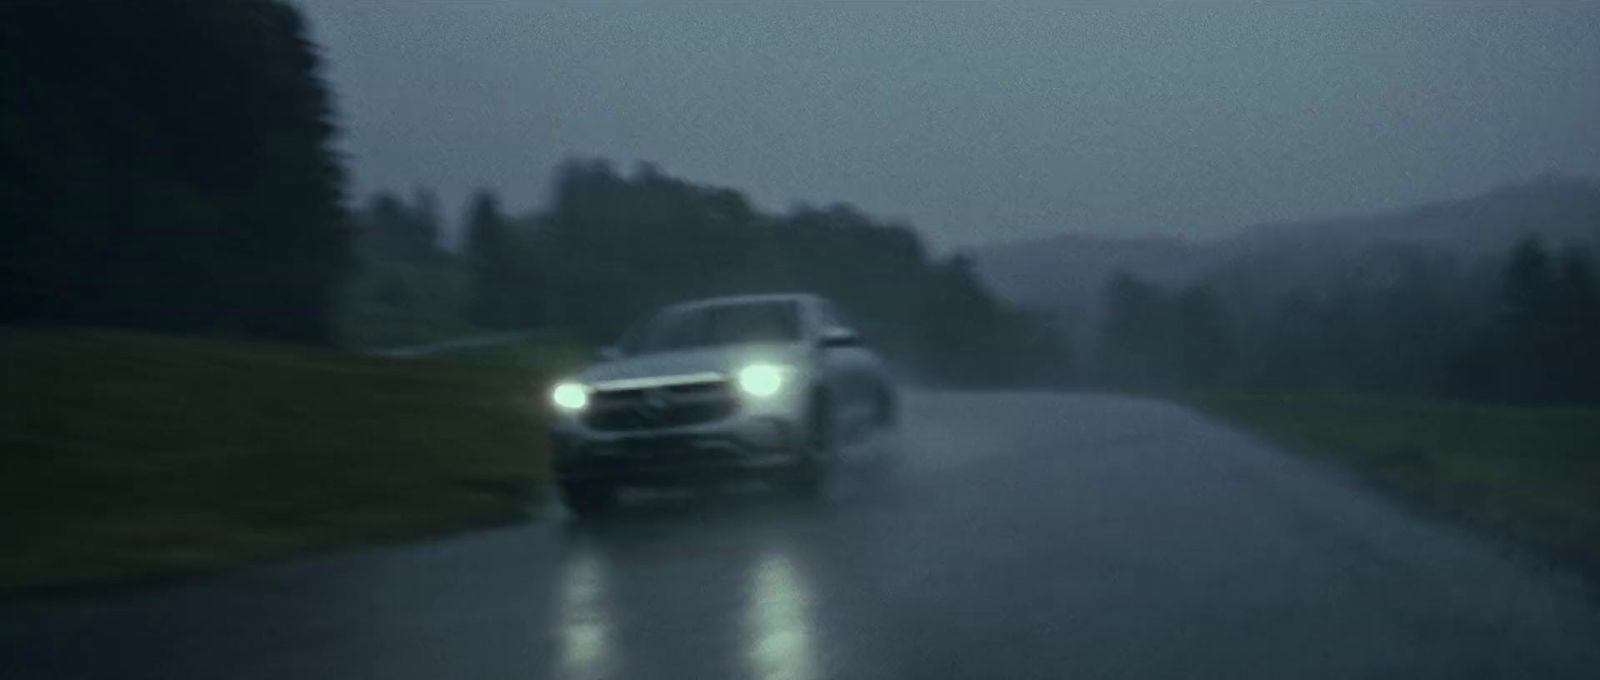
830, 316
826, 316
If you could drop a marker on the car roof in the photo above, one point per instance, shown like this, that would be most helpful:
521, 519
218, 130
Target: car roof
800, 298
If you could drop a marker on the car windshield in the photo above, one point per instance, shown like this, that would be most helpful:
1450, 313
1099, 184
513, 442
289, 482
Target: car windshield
715, 325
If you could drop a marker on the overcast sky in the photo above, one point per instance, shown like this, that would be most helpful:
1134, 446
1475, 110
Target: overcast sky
978, 122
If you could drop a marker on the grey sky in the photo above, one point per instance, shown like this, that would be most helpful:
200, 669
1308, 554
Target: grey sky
979, 122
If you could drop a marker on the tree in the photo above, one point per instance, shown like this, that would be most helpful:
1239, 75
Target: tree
1526, 292
622, 245
1132, 329
170, 170
1153, 337
1539, 346
420, 235
1201, 339
376, 223
492, 262
1576, 305
392, 230
1528, 326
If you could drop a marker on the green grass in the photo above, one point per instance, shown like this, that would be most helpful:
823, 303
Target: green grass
128, 456
1535, 471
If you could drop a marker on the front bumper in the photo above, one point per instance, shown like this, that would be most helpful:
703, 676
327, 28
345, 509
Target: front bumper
744, 445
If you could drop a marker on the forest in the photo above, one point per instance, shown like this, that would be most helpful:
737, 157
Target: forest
611, 247
178, 173
1520, 327
168, 165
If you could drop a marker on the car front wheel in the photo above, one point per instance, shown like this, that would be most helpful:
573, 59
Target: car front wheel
588, 499
809, 477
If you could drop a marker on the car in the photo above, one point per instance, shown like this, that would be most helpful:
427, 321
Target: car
763, 387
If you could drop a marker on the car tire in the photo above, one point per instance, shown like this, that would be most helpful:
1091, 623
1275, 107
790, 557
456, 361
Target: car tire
888, 408
588, 499
809, 477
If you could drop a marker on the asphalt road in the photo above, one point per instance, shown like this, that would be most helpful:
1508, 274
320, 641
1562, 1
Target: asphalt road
1021, 537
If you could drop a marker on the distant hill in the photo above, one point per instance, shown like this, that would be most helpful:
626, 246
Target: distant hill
1556, 208
1067, 273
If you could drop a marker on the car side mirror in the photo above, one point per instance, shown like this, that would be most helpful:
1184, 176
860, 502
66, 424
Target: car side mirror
608, 353
838, 336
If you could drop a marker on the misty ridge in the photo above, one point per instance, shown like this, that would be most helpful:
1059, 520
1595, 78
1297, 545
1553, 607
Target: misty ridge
1068, 271
1490, 296
213, 203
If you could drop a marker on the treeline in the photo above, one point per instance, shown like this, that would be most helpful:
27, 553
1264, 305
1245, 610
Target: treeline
405, 288
609, 247
1524, 328
1541, 343
166, 165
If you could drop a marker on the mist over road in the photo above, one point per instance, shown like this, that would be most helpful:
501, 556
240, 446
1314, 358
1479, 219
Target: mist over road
1022, 536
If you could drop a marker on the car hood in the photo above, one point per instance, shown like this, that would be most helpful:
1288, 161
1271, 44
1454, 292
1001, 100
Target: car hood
723, 360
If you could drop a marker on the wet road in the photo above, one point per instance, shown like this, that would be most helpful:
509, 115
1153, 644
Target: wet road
1021, 537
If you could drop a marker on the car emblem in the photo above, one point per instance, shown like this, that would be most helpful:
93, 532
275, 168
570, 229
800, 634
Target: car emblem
653, 403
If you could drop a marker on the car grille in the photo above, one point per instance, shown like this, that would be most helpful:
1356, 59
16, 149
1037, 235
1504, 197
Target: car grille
660, 407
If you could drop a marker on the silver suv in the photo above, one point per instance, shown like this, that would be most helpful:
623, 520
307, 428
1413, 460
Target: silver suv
767, 387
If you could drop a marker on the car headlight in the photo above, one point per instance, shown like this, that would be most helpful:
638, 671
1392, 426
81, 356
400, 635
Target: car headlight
570, 396
763, 380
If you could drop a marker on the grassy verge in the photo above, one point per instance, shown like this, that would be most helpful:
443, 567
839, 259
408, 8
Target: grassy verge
1535, 471
128, 456
548, 352
393, 304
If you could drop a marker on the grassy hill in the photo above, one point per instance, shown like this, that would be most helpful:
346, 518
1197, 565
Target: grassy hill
130, 455
1532, 471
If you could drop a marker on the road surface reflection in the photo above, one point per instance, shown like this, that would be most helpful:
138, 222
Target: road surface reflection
729, 578
585, 626
778, 620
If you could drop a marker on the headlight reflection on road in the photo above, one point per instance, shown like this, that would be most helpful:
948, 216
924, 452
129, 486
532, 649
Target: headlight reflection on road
778, 621
585, 619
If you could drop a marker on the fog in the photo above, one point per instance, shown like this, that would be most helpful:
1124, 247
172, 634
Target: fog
978, 122
1120, 340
